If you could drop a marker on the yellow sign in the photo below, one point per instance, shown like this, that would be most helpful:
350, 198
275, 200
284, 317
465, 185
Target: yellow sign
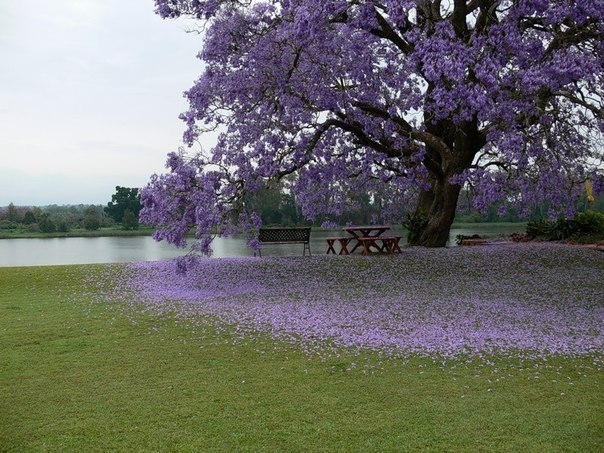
590, 191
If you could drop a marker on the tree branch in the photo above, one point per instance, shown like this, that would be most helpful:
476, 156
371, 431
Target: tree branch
598, 112
387, 32
459, 20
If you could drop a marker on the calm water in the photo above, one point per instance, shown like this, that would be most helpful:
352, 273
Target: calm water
54, 251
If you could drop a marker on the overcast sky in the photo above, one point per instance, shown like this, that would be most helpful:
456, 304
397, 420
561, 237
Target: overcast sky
90, 93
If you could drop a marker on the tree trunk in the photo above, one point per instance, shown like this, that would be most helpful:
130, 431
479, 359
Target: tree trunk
437, 206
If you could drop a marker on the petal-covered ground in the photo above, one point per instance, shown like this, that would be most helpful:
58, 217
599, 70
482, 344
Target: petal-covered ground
513, 300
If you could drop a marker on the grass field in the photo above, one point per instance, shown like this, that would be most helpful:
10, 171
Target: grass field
85, 366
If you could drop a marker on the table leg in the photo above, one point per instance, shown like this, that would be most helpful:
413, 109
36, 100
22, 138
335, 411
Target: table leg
330, 243
356, 246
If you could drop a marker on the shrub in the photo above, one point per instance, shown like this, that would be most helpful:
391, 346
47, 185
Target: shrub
415, 224
29, 218
589, 222
62, 227
47, 225
584, 224
7, 225
539, 228
129, 221
562, 229
32, 228
92, 223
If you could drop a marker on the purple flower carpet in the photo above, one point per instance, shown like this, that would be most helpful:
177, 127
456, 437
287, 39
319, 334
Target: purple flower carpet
522, 300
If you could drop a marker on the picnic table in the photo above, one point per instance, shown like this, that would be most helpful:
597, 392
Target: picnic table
366, 237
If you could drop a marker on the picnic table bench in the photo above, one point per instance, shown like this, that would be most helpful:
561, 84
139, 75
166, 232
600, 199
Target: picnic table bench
383, 244
343, 241
367, 238
283, 235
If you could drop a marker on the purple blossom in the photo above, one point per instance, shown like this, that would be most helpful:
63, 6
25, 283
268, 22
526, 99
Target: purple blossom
521, 300
407, 96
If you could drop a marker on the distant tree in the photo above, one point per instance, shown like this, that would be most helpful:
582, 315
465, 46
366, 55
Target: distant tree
92, 218
124, 199
12, 213
37, 212
274, 203
291, 211
62, 226
266, 202
29, 218
46, 224
129, 220
7, 225
32, 228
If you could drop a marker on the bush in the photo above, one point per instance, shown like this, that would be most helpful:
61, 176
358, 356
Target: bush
539, 228
29, 218
47, 225
589, 222
92, 222
129, 221
584, 224
62, 227
562, 229
473, 217
7, 225
415, 224
32, 228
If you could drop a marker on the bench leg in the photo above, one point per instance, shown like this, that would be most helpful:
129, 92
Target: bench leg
356, 245
395, 245
391, 245
344, 246
306, 246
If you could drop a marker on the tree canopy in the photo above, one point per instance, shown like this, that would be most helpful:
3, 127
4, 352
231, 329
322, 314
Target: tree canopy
411, 98
125, 202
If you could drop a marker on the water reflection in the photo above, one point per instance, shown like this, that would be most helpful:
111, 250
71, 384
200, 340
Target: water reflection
57, 251
53, 251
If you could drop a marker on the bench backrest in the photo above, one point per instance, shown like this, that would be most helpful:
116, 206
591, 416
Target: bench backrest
301, 234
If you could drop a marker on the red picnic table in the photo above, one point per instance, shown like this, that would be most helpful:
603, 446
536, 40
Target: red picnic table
367, 237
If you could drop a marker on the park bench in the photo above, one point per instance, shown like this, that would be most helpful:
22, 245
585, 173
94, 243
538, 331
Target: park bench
281, 235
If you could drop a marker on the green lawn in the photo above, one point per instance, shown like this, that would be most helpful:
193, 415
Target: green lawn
77, 375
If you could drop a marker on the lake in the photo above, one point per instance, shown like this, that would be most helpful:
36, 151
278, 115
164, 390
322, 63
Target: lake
57, 251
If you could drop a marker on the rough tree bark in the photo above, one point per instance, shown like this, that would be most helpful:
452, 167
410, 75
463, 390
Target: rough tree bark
438, 204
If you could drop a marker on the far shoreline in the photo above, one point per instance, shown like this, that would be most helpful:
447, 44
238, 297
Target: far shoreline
78, 233
118, 231
478, 227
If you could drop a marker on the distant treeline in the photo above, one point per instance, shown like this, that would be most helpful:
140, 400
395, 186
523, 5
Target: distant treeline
50, 219
123, 209
278, 207
275, 206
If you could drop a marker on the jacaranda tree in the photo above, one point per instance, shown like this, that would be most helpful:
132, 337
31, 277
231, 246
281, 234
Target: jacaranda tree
411, 98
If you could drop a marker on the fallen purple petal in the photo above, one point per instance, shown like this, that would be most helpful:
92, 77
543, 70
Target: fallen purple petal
524, 300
